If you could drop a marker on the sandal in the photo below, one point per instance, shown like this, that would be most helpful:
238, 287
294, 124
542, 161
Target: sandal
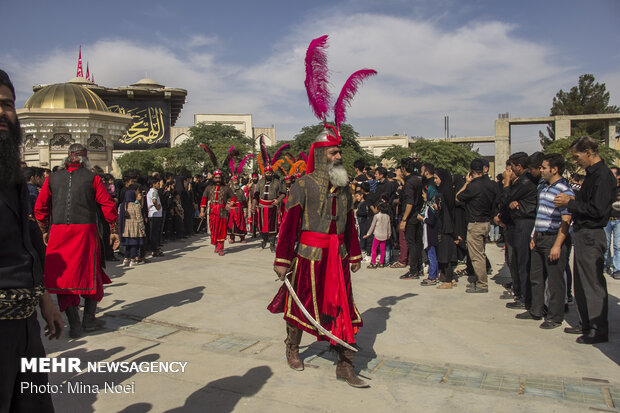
454, 284
398, 265
428, 281
445, 286
372, 266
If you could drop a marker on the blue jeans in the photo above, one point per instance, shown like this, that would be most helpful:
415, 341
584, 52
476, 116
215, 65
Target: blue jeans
432, 262
494, 233
613, 227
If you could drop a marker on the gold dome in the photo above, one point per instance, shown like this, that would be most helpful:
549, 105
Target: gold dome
65, 96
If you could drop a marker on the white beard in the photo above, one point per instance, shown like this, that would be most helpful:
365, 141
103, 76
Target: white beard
338, 175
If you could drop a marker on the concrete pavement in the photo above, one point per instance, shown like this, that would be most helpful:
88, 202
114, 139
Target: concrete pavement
423, 349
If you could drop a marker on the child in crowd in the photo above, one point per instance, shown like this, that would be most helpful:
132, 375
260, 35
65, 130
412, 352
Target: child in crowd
131, 226
381, 227
428, 216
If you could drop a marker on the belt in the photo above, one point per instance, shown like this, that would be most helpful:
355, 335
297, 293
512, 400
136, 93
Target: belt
546, 234
266, 202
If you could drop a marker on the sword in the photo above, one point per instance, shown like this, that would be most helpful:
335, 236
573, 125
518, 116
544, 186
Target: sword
312, 320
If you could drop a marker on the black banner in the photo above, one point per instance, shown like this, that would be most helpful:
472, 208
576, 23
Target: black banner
151, 123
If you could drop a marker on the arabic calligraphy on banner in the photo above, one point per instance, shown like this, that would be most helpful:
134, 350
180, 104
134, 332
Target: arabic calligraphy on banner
150, 124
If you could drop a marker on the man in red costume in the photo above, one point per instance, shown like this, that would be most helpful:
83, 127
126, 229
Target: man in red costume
66, 211
267, 197
289, 180
236, 220
320, 219
216, 197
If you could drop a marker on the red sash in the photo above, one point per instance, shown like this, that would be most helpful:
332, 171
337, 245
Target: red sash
334, 290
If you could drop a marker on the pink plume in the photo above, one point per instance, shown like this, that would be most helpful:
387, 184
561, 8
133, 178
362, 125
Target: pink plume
278, 152
303, 156
317, 77
348, 91
242, 163
231, 163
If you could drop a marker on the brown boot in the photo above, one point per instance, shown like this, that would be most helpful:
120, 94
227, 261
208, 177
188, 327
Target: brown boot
292, 347
345, 371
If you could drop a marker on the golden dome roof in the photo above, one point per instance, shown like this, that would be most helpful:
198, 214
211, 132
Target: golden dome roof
65, 96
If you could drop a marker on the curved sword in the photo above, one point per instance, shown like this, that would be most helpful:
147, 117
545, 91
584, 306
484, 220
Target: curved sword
312, 320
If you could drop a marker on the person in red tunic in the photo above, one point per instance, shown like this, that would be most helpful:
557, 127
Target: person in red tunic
236, 219
319, 246
66, 211
216, 197
289, 180
320, 219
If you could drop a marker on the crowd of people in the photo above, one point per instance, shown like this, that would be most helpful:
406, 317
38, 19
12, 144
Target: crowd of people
438, 221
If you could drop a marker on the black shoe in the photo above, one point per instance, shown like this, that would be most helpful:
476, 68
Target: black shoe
517, 305
477, 290
616, 275
573, 330
592, 337
548, 325
507, 295
272, 248
263, 244
527, 316
508, 286
407, 276
471, 285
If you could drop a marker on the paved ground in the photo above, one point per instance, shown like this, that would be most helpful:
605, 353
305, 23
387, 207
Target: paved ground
423, 349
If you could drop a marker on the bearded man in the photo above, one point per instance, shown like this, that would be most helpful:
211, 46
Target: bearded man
21, 274
236, 220
268, 196
66, 211
216, 197
320, 221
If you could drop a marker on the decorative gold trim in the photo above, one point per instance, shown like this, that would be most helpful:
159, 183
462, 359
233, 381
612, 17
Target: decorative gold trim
283, 261
357, 257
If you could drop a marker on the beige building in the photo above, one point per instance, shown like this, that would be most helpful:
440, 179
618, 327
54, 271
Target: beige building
242, 122
376, 145
59, 115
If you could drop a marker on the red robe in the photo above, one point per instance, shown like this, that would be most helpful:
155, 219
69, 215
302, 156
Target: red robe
217, 223
236, 219
319, 289
73, 257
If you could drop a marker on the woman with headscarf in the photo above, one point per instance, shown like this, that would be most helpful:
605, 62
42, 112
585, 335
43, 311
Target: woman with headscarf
132, 227
446, 253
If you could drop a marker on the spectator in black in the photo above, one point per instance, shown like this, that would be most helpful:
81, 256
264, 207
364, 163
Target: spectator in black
478, 194
413, 229
359, 166
534, 162
446, 251
520, 197
33, 183
383, 190
591, 208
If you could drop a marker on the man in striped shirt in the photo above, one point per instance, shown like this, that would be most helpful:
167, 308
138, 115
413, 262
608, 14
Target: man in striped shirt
549, 250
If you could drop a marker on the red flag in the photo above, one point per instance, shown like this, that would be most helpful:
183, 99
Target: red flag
79, 66
92, 78
87, 72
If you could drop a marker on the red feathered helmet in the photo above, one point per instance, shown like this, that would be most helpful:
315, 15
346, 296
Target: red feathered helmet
317, 80
268, 168
217, 172
254, 175
287, 178
234, 178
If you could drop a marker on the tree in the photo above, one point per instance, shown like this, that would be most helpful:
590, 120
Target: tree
443, 154
562, 146
397, 153
219, 138
142, 161
587, 98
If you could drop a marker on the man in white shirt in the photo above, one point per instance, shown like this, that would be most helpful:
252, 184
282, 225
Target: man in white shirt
155, 214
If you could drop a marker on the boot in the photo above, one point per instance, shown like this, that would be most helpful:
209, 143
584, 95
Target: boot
73, 316
89, 322
292, 347
272, 244
345, 371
